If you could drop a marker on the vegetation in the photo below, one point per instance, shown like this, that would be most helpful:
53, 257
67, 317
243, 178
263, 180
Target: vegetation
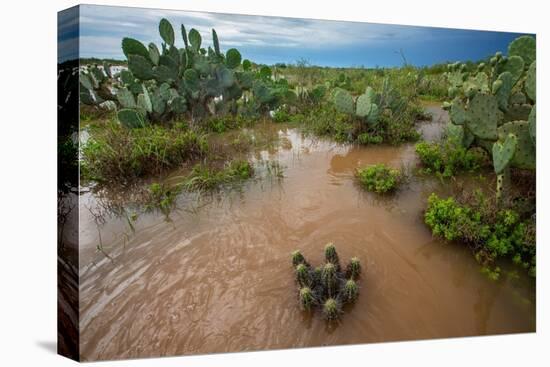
116, 153
492, 232
326, 287
494, 106
204, 178
379, 178
172, 105
446, 158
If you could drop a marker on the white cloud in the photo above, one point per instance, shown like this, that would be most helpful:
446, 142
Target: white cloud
102, 26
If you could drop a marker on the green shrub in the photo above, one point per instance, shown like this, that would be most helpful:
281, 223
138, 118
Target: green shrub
115, 153
447, 158
379, 178
491, 231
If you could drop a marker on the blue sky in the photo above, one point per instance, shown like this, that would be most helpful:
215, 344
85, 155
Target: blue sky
274, 39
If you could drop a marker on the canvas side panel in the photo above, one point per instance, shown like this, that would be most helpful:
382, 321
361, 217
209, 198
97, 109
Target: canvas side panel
67, 182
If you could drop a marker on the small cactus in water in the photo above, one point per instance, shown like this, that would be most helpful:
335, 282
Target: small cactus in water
297, 258
328, 277
326, 287
331, 309
306, 298
351, 291
302, 274
354, 268
331, 255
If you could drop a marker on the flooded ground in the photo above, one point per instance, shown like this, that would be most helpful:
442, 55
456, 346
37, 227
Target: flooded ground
215, 274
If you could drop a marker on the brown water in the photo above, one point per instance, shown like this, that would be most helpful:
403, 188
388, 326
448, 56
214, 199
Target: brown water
215, 276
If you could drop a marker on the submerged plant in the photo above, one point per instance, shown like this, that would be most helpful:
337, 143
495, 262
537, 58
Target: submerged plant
307, 299
351, 291
331, 255
297, 258
379, 178
331, 309
329, 278
354, 268
326, 286
302, 274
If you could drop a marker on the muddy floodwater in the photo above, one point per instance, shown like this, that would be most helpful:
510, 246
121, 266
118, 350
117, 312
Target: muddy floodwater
214, 275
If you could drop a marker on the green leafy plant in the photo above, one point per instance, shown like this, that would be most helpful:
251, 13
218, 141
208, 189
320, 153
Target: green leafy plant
448, 158
491, 232
379, 178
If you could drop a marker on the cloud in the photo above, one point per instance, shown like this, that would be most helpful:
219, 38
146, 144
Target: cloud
99, 24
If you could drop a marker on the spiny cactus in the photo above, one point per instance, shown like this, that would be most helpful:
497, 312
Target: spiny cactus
331, 309
496, 111
331, 255
297, 258
353, 270
302, 274
96, 86
326, 286
351, 291
307, 299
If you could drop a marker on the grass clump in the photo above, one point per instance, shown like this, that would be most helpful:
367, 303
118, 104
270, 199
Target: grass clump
116, 153
368, 139
379, 178
161, 196
491, 231
326, 287
205, 178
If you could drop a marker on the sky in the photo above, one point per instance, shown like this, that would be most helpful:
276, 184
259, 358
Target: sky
269, 40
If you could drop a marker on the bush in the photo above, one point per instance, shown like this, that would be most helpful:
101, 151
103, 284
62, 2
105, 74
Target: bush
379, 178
117, 153
492, 232
447, 158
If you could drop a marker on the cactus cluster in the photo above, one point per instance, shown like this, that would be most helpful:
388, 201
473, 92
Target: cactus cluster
370, 105
363, 107
495, 107
165, 82
97, 86
327, 287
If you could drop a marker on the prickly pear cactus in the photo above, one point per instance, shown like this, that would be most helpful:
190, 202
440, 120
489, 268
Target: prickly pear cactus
164, 82
502, 118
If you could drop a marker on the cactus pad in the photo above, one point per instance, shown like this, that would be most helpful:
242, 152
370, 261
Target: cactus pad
131, 46
166, 31
531, 82
131, 118
514, 65
525, 150
524, 46
503, 93
232, 58
140, 67
126, 98
343, 101
503, 152
195, 39
457, 113
483, 116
